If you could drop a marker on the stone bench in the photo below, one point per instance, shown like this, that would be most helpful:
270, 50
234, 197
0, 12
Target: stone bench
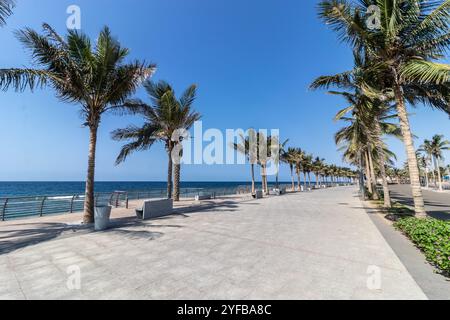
155, 209
204, 197
279, 192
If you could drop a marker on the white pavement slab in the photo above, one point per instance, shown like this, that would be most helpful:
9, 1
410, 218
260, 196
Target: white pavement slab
319, 245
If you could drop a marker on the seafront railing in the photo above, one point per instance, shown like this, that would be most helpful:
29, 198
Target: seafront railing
29, 206
38, 206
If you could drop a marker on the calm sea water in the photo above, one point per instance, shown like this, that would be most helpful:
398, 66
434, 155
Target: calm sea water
14, 189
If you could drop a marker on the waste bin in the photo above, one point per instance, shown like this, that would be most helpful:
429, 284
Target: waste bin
102, 216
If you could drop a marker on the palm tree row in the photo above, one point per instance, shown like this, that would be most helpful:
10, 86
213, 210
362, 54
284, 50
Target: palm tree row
433, 150
257, 149
395, 65
302, 163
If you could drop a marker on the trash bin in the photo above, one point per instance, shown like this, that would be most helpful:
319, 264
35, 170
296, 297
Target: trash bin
102, 216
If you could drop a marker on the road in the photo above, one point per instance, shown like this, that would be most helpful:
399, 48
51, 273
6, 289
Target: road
437, 204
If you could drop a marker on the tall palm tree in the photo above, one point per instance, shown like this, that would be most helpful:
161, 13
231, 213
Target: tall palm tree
434, 148
280, 160
307, 168
318, 165
423, 164
264, 147
247, 146
411, 36
372, 108
6, 7
289, 157
298, 157
95, 77
162, 119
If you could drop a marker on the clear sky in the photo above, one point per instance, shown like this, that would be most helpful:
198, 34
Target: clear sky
252, 60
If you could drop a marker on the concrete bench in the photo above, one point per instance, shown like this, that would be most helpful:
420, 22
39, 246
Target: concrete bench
279, 192
155, 209
204, 197
258, 195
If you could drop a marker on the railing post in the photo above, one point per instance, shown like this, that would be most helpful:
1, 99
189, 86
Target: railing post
71, 203
41, 211
4, 209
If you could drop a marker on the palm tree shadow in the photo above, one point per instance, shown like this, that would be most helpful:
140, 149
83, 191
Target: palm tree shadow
33, 234
210, 207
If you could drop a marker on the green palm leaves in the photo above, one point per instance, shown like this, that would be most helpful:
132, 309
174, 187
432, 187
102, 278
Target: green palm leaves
6, 7
95, 76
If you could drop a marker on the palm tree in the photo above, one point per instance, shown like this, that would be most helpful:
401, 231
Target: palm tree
298, 158
423, 164
412, 35
318, 165
6, 7
280, 160
434, 149
162, 121
289, 157
97, 78
247, 146
307, 168
371, 108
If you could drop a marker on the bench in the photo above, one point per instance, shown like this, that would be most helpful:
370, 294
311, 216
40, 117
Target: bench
155, 209
204, 197
280, 192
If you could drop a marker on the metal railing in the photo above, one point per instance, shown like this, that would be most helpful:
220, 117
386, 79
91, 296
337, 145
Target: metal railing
28, 206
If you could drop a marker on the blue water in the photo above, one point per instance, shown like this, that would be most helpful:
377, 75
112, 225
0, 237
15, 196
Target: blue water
17, 189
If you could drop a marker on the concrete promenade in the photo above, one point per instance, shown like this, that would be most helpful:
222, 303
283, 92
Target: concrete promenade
318, 245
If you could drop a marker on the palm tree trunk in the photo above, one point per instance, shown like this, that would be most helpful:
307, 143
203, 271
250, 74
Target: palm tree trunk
309, 179
292, 178
376, 196
89, 202
253, 180
169, 176
176, 184
411, 154
382, 164
426, 176
368, 176
438, 169
305, 179
433, 173
266, 183
299, 181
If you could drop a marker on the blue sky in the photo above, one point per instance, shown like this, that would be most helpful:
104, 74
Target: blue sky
252, 60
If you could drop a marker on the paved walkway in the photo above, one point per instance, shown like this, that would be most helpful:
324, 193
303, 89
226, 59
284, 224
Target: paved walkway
317, 245
437, 203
